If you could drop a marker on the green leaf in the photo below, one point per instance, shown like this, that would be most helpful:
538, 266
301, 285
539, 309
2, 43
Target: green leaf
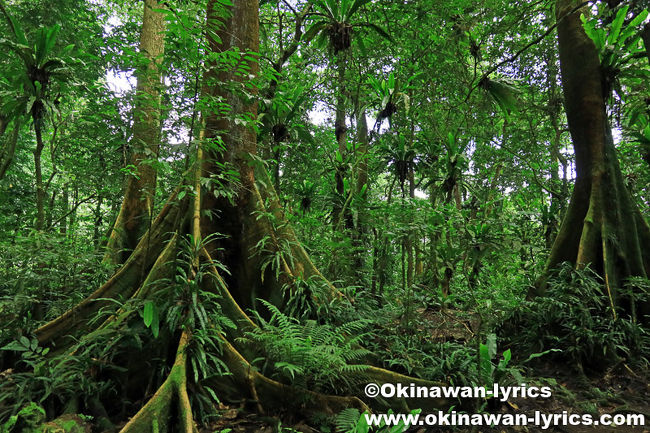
155, 324
537, 355
617, 24
148, 313
485, 364
381, 32
355, 7
504, 95
631, 28
19, 33
24, 341
312, 31
595, 34
451, 142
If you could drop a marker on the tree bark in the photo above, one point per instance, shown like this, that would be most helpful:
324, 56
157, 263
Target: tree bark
9, 146
361, 190
603, 227
341, 132
136, 211
38, 174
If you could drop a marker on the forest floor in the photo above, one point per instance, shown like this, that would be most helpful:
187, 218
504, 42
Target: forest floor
619, 392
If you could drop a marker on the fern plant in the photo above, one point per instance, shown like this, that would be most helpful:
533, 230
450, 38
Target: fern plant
318, 357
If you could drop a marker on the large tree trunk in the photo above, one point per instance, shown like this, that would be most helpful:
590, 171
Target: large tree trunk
603, 227
137, 206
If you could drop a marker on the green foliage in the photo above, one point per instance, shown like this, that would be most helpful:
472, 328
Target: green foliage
54, 379
181, 302
185, 305
335, 22
490, 372
27, 420
503, 93
30, 93
454, 219
618, 45
42, 277
575, 318
317, 357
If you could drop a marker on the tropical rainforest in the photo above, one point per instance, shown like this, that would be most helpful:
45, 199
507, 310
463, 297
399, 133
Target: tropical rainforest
233, 215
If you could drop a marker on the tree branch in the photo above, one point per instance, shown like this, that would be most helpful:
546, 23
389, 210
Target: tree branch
535, 41
74, 208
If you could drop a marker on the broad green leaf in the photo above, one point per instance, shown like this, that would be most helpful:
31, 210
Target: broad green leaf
148, 313
631, 28
617, 24
355, 7
381, 32
315, 29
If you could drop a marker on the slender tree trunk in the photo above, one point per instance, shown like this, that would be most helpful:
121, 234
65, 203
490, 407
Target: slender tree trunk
603, 226
341, 132
410, 239
645, 35
137, 206
554, 110
362, 152
38, 173
97, 226
362, 192
65, 204
50, 209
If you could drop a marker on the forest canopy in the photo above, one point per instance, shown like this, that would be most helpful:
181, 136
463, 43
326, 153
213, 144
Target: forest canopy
233, 215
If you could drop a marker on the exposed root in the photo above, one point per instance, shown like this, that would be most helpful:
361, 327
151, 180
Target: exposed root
156, 415
124, 283
305, 268
278, 395
370, 374
158, 271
